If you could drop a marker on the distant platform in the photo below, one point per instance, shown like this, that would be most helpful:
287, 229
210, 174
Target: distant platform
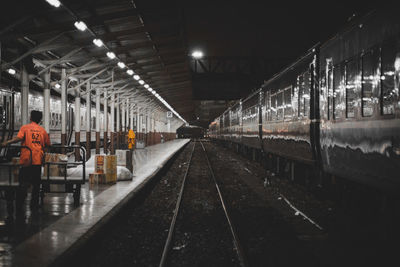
58, 225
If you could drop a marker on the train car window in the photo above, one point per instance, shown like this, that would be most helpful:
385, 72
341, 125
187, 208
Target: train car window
369, 66
338, 105
351, 87
300, 85
279, 103
1, 115
306, 93
288, 103
268, 106
273, 107
390, 93
329, 83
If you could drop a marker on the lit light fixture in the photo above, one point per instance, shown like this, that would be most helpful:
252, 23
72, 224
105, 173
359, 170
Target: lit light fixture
98, 42
154, 92
80, 25
57, 86
150, 89
146, 86
136, 77
11, 71
130, 72
54, 3
121, 64
110, 55
141, 82
197, 54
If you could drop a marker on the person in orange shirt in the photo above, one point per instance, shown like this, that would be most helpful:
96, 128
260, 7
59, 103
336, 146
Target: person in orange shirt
36, 138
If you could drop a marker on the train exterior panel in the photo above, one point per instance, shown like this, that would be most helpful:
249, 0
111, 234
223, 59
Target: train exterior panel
235, 131
360, 108
287, 112
251, 110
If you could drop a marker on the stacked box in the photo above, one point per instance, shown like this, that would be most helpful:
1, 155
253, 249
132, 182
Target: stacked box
54, 170
99, 164
97, 178
110, 168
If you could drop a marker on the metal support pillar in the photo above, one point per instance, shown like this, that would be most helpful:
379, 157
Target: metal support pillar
63, 108
112, 126
77, 123
88, 120
24, 95
105, 135
122, 132
46, 101
118, 122
98, 120
131, 116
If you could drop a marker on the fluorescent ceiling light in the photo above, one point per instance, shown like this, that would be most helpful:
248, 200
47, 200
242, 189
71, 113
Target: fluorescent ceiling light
130, 72
54, 3
80, 25
136, 77
197, 54
141, 82
146, 86
110, 55
98, 42
57, 85
11, 71
149, 89
121, 65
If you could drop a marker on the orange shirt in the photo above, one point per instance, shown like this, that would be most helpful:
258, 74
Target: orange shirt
36, 138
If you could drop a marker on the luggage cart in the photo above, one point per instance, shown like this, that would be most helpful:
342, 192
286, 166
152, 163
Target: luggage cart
68, 184
10, 186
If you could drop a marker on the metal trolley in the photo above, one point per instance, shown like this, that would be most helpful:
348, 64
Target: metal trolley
69, 185
10, 186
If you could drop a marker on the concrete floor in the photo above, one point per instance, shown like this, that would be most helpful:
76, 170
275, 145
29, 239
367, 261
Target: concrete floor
57, 225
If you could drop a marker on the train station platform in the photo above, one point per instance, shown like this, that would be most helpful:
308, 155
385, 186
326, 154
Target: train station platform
58, 226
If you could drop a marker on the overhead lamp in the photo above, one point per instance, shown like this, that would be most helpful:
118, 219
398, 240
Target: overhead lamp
121, 64
54, 3
58, 86
98, 42
149, 89
146, 86
154, 92
11, 71
136, 77
80, 25
130, 72
110, 55
197, 54
141, 82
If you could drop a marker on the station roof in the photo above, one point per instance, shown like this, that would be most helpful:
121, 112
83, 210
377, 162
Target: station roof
150, 41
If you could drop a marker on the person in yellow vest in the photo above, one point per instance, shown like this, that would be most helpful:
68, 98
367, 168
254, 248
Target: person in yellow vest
131, 139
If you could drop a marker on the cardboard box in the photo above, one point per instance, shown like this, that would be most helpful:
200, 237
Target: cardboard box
99, 164
97, 178
54, 170
110, 168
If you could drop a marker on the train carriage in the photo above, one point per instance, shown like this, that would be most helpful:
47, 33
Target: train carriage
288, 111
360, 109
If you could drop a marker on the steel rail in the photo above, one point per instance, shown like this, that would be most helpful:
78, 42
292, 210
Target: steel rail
176, 211
239, 249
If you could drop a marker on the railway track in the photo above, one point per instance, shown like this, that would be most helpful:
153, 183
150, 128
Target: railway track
166, 254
